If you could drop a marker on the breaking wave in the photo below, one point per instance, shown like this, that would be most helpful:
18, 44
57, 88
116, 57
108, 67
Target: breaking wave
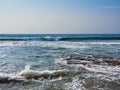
28, 74
59, 38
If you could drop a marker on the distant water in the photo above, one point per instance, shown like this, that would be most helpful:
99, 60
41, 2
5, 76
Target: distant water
25, 58
58, 37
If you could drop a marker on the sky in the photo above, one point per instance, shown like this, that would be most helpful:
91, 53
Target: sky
59, 16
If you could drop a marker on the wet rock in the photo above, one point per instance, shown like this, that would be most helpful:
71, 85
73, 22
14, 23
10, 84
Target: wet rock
94, 59
85, 62
112, 62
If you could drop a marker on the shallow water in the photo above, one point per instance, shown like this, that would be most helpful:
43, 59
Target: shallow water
39, 62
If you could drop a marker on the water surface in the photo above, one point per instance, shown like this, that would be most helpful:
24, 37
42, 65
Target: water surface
25, 59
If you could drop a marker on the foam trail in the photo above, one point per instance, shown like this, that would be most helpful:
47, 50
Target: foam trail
76, 84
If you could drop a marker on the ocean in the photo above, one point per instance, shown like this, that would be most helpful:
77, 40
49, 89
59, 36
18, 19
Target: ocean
59, 61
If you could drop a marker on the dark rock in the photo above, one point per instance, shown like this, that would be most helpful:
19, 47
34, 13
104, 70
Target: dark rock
112, 62
95, 59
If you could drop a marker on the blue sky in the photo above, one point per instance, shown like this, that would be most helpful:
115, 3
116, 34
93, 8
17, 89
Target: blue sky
59, 16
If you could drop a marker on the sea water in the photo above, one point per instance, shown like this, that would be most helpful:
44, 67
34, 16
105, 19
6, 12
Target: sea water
38, 62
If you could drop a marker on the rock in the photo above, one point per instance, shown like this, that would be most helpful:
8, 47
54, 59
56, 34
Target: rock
112, 62
95, 59
77, 62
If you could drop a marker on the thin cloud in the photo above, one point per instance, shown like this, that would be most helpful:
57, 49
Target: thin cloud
110, 7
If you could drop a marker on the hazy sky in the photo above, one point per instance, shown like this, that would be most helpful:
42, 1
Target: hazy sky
59, 16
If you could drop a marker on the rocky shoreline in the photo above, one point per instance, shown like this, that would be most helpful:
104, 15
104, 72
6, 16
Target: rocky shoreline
93, 59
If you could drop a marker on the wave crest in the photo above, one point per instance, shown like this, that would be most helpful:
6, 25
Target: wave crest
28, 74
58, 38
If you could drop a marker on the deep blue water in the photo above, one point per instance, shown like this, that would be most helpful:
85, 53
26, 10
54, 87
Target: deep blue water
58, 37
42, 51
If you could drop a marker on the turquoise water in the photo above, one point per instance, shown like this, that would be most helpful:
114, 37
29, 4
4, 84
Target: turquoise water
30, 55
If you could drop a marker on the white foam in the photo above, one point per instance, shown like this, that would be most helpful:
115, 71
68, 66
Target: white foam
27, 73
76, 84
57, 79
5, 76
61, 61
74, 45
49, 38
11, 43
22, 76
